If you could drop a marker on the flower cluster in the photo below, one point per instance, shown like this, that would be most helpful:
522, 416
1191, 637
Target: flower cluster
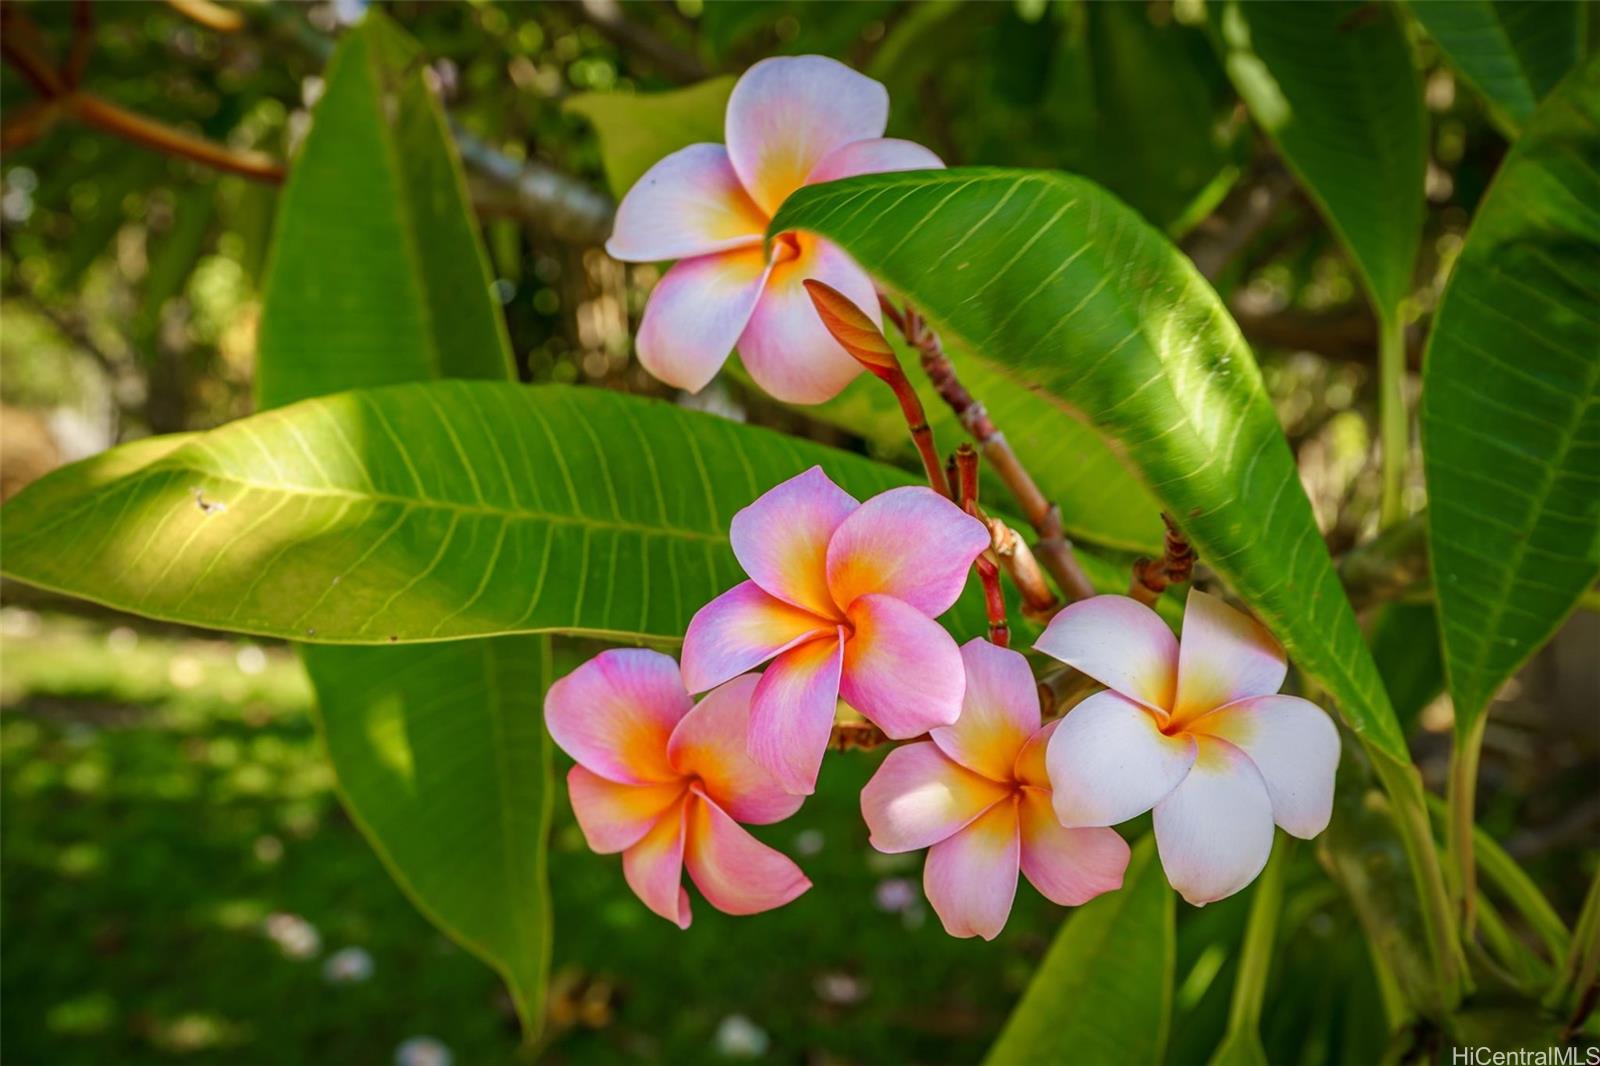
841, 603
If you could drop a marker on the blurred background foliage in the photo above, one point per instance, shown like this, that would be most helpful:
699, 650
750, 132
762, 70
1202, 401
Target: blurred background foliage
180, 881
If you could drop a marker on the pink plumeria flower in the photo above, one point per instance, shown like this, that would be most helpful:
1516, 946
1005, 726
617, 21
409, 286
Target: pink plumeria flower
667, 784
976, 794
844, 595
791, 121
1198, 733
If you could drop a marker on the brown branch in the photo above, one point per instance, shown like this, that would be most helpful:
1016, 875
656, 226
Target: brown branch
856, 736
1060, 689
994, 600
82, 43
1176, 566
1053, 549
1349, 336
860, 336
1218, 241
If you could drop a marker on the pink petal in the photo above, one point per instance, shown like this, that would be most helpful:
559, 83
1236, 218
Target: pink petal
999, 711
901, 669
1109, 761
787, 113
734, 871
1226, 656
785, 346
874, 157
690, 203
781, 539
1120, 643
614, 713
1067, 866
1031, 768
654, 867
696, 314
613, 816
712, 743
971, 878
1214, 832
791, 713
919, 797
1294, 745
742, 628
910, 543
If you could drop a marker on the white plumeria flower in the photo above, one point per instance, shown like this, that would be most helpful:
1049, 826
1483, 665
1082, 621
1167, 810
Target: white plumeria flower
1198, 733
791, 121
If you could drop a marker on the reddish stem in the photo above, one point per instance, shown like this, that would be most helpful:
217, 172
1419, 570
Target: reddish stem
1176, 566
966, 463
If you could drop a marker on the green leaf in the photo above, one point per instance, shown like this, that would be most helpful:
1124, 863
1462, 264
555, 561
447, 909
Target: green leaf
448, 775
1069, 293
1104, 991
1510, 415
637, 129
1513, 54
424, 512
376, 273
440, 752
1334, 85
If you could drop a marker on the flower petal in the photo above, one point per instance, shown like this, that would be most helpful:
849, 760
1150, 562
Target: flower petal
999, 711
791, 713
1226, 656
614, 713
712, 742
1031, 768
742, 628
787, 113
785, 346
1067, 866
1214, 832
901, 669
873, 157
918, 797
781, 539
910, 543
1294, 745
690, 203
735, 872
613, 816
1109, 761
1120, 643
696, 314
654, 867
971, 878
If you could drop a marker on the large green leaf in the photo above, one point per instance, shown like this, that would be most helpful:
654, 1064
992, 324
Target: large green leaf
1071, 294
423, 512
1334, 85
1104, 992
376, 275
1510, 415
1512, 53
444, 763
637, 129
440, 752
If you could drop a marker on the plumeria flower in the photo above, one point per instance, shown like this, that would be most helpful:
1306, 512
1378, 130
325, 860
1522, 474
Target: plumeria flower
1196, 732
842, 598
977, 796
667, 784
791, 121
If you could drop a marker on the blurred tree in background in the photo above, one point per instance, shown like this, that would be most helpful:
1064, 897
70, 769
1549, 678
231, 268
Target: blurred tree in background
144, 145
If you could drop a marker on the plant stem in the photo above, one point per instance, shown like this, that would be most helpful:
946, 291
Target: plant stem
1404, 786
966, 463
1577, 977
1260, 931
1394, 444
1463, 791
1053, 549
861, 337
1176, 565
